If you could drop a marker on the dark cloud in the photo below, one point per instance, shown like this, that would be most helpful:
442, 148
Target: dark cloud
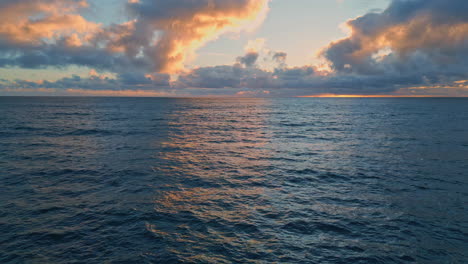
279, 56
249, 59
96, 82
420, 43
149, 80
62, 56
184, 25
158, 37
415, 41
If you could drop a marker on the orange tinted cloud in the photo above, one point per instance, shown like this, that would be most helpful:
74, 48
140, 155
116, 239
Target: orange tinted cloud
184, 26
160, 36
409, 36
29, 22
412, 48
402, 39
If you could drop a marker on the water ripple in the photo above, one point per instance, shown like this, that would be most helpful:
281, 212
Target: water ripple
122, 180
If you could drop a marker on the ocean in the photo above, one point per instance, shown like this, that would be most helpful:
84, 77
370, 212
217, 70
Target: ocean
294, 180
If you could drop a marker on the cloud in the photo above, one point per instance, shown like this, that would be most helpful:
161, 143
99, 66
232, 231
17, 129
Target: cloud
27, 23
159, 37
422, 39
248, 59
95, 81
412, 43
243, 76
182, 26
40, 33
280, 57
411, 47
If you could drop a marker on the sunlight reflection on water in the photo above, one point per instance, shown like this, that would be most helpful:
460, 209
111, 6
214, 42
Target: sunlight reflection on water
222, 181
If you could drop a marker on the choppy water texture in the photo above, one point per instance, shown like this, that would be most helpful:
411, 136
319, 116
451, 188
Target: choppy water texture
96, 180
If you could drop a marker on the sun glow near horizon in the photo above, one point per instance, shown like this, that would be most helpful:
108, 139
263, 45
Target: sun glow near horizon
368, 96
248, 48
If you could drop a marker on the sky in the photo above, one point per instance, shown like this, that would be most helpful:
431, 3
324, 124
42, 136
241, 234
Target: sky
240, 48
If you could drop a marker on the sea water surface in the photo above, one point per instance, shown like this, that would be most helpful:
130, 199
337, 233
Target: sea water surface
300, 180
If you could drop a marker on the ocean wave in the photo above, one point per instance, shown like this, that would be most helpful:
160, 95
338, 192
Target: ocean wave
205, 181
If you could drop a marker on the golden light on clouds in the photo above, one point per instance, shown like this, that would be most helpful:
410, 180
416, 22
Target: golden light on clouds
184, 34
407, 50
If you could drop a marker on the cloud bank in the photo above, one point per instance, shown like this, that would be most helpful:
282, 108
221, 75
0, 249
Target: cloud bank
159, 36
412, 47
425, 38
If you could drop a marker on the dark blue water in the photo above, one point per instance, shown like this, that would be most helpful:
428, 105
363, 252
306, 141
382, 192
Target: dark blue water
116, 180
